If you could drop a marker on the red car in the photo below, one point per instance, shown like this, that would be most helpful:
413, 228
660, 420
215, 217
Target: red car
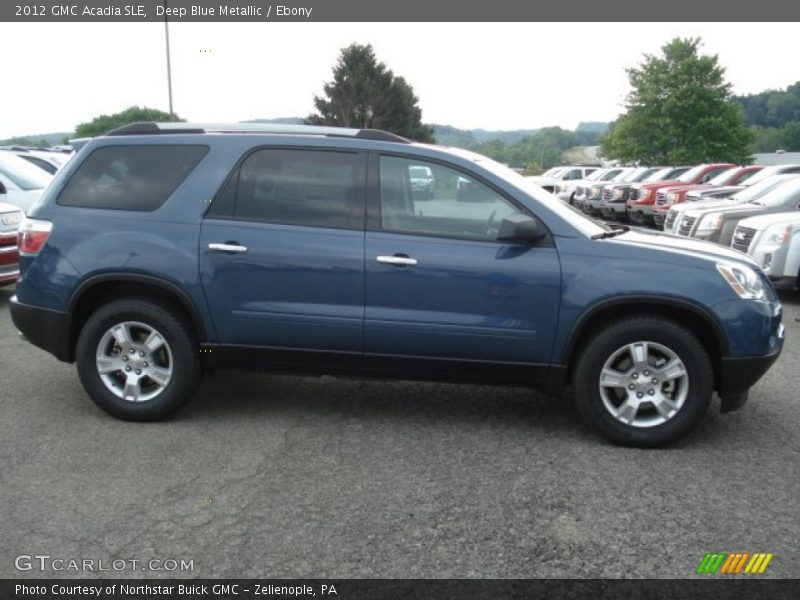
10, 218
674, 194
643, 196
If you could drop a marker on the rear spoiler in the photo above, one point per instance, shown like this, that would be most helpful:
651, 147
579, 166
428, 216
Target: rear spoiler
79, 143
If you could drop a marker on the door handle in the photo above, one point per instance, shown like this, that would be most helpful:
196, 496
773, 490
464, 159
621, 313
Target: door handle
235, 248
405, 261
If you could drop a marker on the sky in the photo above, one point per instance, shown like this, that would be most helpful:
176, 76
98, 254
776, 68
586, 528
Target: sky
469, 75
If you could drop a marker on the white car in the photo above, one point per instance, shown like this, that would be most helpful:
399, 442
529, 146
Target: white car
774, 243
21, 184
50, 162
550, 179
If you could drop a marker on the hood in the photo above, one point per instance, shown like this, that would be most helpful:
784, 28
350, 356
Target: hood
22, 199
764, 221
703, 204
5, 207
653, 185
728, 209
682, 245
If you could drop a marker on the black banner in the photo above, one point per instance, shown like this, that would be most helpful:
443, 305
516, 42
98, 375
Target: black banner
133, 11
386, 589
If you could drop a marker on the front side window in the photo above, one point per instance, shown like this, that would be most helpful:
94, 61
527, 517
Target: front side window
130, 177
453, 204
314, 188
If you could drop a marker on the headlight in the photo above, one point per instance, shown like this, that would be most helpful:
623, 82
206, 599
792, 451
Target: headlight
645, 193
776, 235
743, 280
618, 194
596, 190
710, 222
11, 219
672, 197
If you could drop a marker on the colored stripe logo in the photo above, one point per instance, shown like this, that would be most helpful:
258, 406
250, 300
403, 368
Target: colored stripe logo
733, 563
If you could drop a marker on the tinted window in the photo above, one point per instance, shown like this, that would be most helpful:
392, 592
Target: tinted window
456, 206
130, 177
295, 187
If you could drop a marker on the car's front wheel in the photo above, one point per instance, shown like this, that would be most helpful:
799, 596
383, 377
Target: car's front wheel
643, 381
138, 359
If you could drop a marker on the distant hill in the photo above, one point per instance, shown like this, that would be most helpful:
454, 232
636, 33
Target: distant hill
38, 139
592, 126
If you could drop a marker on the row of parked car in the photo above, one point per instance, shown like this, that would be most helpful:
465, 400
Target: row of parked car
753, 209
24, 174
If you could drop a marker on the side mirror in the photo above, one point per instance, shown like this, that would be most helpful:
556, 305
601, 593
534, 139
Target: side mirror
520, 229
2, 188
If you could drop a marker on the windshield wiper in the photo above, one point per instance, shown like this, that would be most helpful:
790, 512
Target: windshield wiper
614, 232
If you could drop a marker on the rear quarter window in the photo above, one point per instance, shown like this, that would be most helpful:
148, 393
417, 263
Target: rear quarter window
130, 177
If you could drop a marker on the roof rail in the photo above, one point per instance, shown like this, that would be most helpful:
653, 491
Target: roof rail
152, 128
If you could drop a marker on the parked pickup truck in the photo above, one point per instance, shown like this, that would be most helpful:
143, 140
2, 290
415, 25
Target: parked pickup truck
744, 195
668, 196
643, 196
774, 243
583, 189
550, 179
591, 205
566, 190
717, 224
615, 197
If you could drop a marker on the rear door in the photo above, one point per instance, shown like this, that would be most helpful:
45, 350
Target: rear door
282, 251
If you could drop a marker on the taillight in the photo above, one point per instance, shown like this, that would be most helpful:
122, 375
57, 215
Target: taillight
32, 235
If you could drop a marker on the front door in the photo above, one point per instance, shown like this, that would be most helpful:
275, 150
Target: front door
440, 286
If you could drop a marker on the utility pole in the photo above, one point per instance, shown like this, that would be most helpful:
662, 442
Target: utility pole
169, 66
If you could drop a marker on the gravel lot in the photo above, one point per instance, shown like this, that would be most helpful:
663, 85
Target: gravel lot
320, 477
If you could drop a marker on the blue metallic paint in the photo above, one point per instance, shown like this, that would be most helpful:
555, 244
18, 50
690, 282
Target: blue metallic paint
321, 288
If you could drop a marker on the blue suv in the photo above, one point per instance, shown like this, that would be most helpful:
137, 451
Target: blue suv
163, 251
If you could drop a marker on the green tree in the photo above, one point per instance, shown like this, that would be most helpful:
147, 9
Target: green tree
790, 136
679, 110
364, 93
105, 123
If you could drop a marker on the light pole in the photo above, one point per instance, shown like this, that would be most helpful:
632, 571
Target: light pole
169, 66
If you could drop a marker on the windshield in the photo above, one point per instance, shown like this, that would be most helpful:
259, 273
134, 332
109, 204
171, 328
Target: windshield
691, 174
757, 190
571, 215
551, 171
622, 175
786, 192
595, 175
643, 173
723, 177
658, 175
610, 174
22, 173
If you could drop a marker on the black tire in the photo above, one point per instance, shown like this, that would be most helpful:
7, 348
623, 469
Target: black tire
667, 333
181, 342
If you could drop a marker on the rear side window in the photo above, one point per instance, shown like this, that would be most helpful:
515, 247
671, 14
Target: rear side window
314, 188
130, 177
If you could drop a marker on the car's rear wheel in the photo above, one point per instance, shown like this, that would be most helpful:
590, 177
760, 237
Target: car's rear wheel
138, 360
643, 381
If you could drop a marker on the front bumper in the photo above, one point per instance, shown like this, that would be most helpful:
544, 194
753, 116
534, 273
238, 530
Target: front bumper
640, 213
613, 210
592, 206
45, 328
738, 374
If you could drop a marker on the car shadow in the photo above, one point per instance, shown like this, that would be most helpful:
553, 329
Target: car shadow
248, 395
